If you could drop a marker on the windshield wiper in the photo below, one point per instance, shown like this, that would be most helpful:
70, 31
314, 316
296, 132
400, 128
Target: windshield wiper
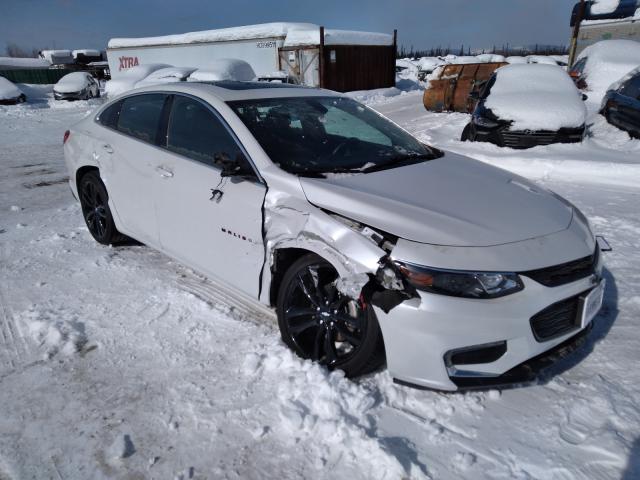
401, 161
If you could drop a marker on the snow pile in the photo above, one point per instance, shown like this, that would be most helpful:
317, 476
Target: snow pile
166, 75
128, 79
490, 58
11, 62
455, 60
72, 82
313, 403
8, 91
536, 97
602, 7
224, 69
429, 64
54, 333
607, 62
406, 81
406, 64
516, 59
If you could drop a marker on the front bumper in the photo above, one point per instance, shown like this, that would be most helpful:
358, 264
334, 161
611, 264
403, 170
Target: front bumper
503, 136
69, 96
421, 333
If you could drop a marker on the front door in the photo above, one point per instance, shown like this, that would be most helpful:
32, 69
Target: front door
211, 223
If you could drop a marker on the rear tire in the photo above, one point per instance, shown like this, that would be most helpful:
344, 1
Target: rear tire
94, 201
319, 323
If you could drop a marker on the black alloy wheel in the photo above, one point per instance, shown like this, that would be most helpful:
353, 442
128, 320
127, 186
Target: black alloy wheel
94, 201
319, 323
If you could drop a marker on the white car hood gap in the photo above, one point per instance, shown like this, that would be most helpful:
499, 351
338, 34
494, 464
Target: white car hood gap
450, 201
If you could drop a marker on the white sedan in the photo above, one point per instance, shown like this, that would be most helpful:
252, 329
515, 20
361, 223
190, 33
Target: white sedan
76, 86
368, 243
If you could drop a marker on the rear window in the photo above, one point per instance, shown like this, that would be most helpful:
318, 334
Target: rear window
109, 117
141, 115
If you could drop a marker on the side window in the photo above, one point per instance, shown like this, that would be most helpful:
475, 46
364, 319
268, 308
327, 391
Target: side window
579, 65
141, 115
631, 88
196, 133
109, 117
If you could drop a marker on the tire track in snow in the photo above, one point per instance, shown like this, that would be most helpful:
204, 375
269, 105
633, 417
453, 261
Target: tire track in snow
13, 345
222, 298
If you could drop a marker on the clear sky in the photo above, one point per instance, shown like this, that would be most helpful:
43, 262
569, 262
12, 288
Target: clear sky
76, 24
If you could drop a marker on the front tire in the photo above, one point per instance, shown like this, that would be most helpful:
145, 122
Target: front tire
467, 135
94, 201
319, 323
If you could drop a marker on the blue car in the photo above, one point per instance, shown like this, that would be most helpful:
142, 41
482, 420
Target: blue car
621, 105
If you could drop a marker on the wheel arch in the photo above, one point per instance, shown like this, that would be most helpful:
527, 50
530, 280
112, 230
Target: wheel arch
82, 171
285, 256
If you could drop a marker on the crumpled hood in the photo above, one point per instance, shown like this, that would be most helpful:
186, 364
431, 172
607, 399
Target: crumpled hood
452, 201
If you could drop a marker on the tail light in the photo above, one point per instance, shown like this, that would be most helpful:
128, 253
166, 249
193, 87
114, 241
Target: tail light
66, 137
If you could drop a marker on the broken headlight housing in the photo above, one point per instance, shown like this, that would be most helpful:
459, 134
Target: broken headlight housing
455, 283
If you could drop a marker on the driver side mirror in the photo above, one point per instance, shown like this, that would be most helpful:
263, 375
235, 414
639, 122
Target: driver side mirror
232, 168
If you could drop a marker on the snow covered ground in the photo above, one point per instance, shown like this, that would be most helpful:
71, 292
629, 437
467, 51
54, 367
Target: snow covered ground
120, 363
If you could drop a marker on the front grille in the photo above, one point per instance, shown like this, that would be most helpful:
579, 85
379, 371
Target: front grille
566, 272
556, 320
526, 139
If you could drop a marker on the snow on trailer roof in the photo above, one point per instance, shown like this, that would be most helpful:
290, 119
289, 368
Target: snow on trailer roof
295, 34
86, 52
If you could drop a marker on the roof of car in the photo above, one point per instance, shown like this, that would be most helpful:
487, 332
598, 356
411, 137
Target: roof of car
231, 90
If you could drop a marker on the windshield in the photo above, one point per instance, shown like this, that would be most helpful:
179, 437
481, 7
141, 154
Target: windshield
311, 136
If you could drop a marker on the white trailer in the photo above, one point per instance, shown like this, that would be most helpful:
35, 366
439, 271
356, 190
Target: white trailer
293, 48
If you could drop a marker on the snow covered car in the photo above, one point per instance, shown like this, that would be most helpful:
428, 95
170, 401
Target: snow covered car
523, 106
366, 241
9, 93
76, 86
166, 75
130, 77
621, 104
602, 64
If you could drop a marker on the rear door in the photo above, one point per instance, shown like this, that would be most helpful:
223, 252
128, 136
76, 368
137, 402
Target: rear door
129, 163
211, 223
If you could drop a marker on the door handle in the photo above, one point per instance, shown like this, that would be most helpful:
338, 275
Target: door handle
107, 148
164, 172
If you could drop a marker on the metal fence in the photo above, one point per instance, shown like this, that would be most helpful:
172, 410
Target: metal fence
39, 76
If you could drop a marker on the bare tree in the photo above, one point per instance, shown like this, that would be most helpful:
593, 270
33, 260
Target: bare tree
14, 50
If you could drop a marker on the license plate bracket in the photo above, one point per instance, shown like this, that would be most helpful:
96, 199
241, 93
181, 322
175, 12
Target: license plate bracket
590, 304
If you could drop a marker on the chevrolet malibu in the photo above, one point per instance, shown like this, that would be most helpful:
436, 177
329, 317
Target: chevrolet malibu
371, 246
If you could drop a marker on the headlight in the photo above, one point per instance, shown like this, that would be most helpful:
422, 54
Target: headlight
484, 122
456, 283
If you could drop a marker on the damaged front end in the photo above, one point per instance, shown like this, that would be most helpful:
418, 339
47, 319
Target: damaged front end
361, 255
